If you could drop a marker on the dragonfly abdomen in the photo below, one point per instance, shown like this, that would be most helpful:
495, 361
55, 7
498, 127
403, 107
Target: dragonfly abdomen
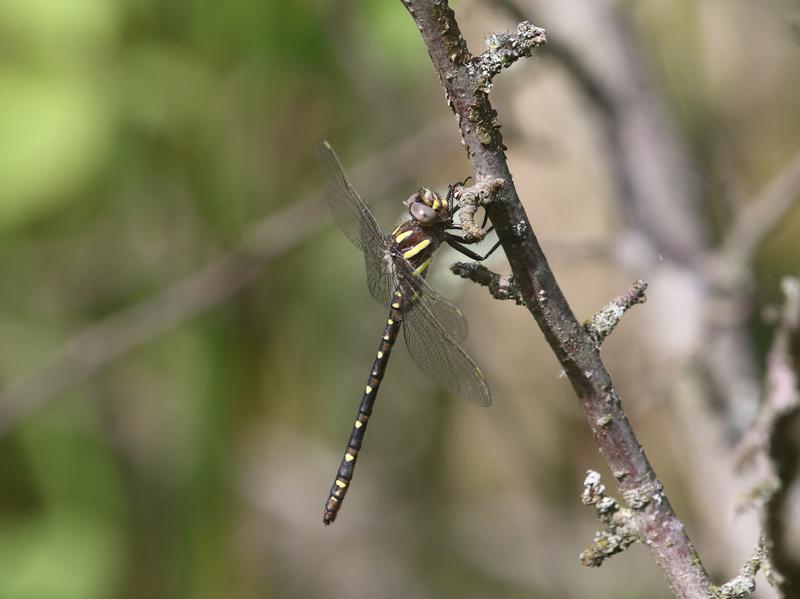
348, 463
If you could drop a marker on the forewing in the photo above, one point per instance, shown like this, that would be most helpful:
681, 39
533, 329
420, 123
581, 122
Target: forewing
356, 221
350, 212
439, 356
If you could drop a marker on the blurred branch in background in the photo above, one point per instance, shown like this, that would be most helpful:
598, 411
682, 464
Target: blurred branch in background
782, 405
760, 216
771, 447
112, 338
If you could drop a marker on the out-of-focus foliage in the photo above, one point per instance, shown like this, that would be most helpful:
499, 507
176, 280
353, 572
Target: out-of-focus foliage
141, 139
56, 103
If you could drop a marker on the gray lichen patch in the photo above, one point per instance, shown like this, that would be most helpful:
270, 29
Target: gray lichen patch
619, 533
603, 323
503, 50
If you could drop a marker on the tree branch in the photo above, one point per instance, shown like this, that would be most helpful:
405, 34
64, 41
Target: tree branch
662, 531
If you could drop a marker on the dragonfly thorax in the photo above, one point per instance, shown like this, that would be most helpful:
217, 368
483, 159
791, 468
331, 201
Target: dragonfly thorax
415, 243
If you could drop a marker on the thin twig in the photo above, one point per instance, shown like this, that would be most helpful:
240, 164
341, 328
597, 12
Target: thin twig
103, 342
744, 584
605, 321
503, 50
501, 287
661, 530
619, 521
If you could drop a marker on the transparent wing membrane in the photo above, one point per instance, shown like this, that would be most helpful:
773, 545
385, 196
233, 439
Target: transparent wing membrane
441, 358
380, 276
434, 328
450, 318
350, 212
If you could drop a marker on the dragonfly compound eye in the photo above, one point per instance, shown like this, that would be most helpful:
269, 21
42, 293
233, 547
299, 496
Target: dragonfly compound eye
424, 215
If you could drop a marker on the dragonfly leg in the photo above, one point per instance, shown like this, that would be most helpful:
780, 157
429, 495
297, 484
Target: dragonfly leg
457, 244
451, 192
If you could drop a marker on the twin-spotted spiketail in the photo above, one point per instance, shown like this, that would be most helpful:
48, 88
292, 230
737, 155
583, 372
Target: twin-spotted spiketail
396, 266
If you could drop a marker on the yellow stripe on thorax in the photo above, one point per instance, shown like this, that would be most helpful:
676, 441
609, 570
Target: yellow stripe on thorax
416, 249
402, 236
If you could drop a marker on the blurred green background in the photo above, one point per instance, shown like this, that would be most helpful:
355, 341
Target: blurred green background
141, 140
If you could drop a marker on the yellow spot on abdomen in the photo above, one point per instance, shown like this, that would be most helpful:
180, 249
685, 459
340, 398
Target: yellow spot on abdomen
368, 389
395, 305
349, 458
340, 483
390, 321
380, 355
417, 249
358, 424
402, 236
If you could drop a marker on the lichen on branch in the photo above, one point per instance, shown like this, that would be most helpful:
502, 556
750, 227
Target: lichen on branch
620, 532
503, 50
605, 321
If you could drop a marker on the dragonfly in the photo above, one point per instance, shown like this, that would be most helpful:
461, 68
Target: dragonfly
396, 266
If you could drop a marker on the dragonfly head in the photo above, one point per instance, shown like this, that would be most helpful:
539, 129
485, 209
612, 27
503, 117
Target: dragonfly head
428, 208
